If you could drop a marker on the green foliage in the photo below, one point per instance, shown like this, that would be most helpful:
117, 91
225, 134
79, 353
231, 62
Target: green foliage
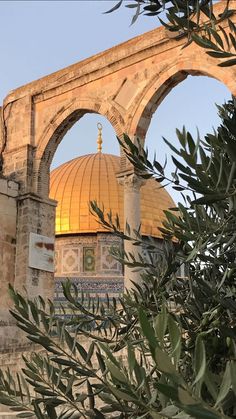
194, 20
69, 380
166, 349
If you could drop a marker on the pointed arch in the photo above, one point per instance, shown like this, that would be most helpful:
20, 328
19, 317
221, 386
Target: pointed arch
56, 130
161, 84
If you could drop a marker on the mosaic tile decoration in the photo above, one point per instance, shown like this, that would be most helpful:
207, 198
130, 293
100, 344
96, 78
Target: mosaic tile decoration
92, 286
89, 259
108, 262
70, 260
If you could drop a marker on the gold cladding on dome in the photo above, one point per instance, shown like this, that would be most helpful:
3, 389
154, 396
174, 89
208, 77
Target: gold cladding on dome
93, 177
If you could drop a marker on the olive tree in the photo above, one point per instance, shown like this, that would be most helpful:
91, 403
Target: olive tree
165, 349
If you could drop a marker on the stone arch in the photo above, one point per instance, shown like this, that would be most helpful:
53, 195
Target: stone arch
161, 84
56, 130
125, 84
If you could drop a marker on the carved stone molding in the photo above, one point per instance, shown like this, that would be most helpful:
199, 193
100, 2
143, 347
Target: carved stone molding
131, 182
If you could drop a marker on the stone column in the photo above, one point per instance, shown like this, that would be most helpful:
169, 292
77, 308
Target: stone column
8, 218
132, 184
35, 215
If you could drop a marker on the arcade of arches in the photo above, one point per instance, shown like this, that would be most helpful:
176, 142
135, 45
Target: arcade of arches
125, 84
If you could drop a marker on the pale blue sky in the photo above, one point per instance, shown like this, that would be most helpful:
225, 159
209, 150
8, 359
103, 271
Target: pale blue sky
40, 37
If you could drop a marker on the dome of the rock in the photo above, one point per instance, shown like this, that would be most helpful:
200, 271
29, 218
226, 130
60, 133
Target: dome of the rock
82, 245
93, 177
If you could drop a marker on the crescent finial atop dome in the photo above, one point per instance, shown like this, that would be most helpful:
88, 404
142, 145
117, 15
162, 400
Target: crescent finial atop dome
99, 139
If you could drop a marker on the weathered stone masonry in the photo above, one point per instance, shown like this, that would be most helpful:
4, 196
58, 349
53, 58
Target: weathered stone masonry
8, 219
125, 84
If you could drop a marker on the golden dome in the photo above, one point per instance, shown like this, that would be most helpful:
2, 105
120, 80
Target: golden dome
93, 177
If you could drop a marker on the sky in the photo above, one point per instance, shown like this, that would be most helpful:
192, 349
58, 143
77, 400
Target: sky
41, 37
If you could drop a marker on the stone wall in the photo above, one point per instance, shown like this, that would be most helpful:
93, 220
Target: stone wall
125, 84
19, 216
8, 224
12, 359
35, 215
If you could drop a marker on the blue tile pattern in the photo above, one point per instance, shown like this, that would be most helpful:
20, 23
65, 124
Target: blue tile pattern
113, 287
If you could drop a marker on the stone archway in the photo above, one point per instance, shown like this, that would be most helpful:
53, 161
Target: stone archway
160, 86
125, 84
36, 212
57, 128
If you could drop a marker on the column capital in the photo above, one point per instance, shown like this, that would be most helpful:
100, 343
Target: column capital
131, 181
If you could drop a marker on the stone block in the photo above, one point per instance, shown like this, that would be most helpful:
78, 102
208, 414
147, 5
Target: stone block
3, 186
